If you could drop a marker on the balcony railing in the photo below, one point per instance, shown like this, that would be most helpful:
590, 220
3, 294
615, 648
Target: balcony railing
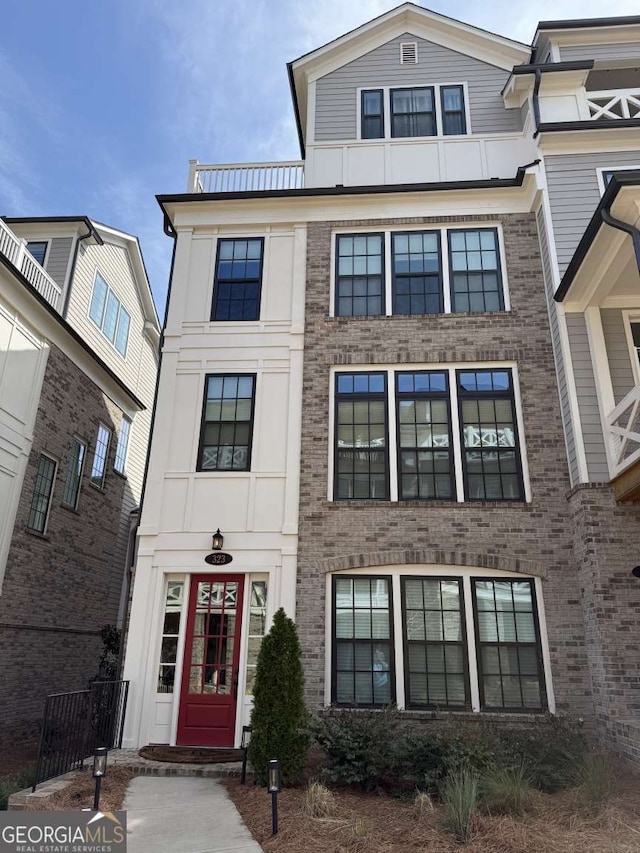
15, 250
624, 431
614, 104
245, 177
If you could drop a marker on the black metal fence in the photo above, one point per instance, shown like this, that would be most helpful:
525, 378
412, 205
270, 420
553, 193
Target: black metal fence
76, 723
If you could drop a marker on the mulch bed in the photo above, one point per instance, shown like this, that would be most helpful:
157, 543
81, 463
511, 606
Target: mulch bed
379, 823
79, 793
190, 755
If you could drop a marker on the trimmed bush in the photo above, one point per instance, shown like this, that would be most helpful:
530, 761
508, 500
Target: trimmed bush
279, 720
358, 745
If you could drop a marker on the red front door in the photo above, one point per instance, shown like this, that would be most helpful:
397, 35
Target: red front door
210, 670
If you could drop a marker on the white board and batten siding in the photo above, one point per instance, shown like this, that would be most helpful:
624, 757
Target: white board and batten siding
23, 358
574, 194
257, 510
337, 97
592, 435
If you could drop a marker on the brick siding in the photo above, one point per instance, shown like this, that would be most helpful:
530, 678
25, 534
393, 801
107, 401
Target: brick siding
61, 588
527, 537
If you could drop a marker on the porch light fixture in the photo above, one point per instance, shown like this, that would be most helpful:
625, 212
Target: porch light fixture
99, 770
218, 541
274, 787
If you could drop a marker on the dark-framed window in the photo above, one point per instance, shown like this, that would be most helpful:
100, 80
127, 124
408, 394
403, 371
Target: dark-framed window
359, 275
510, 667
474, 264
452, 107
491, 458
238, 279
73, 474
416, 272
435, 647
361, 443
362, 618
122, 446
227, 422
607, 174
372, 114
413, 112
425, 447
100, 456
38, 250
41, 497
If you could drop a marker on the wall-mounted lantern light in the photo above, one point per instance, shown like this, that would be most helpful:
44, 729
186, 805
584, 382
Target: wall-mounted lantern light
99, 770
273, 787
218, 541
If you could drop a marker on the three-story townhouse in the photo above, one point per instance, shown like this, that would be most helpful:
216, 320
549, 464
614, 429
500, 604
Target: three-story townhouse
401, 487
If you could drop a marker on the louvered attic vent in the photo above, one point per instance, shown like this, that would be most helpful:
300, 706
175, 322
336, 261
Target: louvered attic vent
408, 53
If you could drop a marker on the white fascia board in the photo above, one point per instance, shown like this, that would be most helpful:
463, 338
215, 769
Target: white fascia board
589, 141
623, 34
38, 318
46, 230
606, 260
464, 38
131, 244
259, 212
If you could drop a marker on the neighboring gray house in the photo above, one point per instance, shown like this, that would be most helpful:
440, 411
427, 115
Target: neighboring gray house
384, 404
78, 360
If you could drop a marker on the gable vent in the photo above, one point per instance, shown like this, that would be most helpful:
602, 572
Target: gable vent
408, 53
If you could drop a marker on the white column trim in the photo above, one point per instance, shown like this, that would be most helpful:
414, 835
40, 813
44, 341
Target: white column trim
602, 376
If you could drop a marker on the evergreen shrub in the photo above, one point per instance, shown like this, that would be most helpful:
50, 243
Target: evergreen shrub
279, 724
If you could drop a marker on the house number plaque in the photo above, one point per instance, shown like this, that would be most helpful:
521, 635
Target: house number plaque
218, 559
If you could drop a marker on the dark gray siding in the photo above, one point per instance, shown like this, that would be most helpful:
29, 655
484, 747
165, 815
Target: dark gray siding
552, 306
618, 353
587, 399
600, 51
574, 194
336, 95
58, 258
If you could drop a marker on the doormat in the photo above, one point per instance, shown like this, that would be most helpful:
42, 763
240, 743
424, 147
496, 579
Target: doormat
190, 754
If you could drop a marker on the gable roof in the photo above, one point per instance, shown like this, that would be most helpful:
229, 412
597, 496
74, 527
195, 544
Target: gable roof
408, 18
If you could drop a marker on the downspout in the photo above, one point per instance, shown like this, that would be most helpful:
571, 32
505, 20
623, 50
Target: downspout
623, 226
536, 102
90, 233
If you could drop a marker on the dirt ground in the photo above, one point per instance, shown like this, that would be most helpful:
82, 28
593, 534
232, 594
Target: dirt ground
379, 823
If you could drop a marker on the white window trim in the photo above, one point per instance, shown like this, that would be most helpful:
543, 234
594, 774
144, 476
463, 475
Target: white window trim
386, 106
85, 444
46, 251
600, 170
121, 304
629, 317
123, 472
428, 570
387, 231
53, 459
106, 456
451, 368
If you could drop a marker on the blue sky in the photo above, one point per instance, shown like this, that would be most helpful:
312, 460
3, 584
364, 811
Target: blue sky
103, 102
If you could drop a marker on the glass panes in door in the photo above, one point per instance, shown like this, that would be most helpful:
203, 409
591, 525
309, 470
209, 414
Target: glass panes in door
170, 631
215, 630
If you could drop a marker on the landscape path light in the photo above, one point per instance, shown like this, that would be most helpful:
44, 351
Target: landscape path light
99, 770
273, 787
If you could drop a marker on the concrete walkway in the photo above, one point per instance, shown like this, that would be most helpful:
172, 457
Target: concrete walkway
184, 815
